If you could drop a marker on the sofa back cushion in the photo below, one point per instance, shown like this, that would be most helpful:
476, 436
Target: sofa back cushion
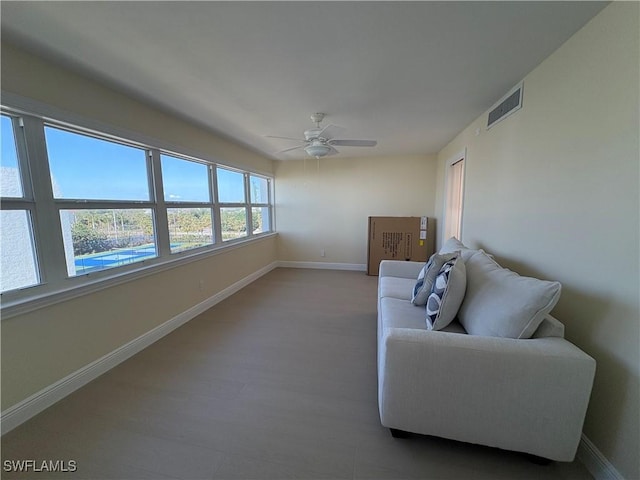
501, 303
455, 245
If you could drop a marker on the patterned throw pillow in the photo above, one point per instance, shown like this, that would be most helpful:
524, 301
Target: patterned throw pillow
447, 294
427, 275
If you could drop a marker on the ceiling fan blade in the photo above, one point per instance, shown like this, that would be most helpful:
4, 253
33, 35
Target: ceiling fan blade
331, 131
292, 148
284, 138
332, 151
353, 143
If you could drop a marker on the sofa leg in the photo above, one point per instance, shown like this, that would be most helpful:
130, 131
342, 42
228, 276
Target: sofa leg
395, 433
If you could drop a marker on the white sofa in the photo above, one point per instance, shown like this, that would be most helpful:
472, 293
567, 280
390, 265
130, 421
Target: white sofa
522, 394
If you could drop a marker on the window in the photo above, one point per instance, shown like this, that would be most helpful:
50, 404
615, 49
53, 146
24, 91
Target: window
87, 172
184, 181
245, 199
18, 260
259, 188
233, 204
11, 185
79, 205
454, 198
100, 239
19, 267
230, 186
187, 193
90, 168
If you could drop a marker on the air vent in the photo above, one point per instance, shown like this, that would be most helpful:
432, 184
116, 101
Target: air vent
510, 103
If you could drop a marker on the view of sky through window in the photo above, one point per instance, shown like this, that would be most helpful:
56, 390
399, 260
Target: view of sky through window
184, 181
230, 186
84, 167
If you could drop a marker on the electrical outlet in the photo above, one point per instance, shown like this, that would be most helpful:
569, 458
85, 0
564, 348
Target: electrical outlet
201, 284
323, 253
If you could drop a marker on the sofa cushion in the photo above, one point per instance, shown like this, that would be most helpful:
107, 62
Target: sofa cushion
453, 245
424, 284
501, 303
447, 294
395, 287
397, 313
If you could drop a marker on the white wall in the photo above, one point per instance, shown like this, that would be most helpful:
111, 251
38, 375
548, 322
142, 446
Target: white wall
326, 204
552, 191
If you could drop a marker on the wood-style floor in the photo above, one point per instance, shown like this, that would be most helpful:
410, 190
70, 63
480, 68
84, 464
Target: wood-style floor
276, 382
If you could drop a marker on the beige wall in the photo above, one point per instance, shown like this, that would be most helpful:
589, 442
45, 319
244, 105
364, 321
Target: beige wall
32, 77
326, 204
43, 346
552, 191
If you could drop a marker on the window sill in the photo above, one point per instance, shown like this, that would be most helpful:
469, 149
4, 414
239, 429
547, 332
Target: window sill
14, 307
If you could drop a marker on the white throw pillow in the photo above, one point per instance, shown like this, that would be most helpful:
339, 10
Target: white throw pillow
447, 294
424, 284
455, 245
501, 303
452, 245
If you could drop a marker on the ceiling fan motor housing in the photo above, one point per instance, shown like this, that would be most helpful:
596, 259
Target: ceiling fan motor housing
312, 133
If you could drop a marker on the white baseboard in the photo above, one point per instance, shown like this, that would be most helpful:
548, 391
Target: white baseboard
39, 401
595, 461
359, 267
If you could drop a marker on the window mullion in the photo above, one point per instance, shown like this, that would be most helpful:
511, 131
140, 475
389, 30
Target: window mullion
217, 221
157, 191
247, 206
100, 204
46, 219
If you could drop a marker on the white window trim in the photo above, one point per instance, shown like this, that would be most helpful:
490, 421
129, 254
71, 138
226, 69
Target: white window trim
20, 301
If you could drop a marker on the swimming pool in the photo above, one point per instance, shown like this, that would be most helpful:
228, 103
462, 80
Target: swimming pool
113, 258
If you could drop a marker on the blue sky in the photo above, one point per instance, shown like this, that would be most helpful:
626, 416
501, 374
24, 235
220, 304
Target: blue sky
84, 167
89, 168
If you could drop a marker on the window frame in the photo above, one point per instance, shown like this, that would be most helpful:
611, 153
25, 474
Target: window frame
252, 204
210, 205
29, 118
27, 201
242, 205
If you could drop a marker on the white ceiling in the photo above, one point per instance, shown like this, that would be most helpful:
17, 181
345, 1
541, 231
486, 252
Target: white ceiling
408, 74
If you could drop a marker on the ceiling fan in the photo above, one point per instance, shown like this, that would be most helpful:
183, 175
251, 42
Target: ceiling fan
319, 142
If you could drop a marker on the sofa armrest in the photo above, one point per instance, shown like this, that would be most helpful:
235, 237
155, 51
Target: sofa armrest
399, 268
524, 395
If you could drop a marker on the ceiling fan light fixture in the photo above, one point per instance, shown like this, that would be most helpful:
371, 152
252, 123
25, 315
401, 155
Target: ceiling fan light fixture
320, 141
317, 150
